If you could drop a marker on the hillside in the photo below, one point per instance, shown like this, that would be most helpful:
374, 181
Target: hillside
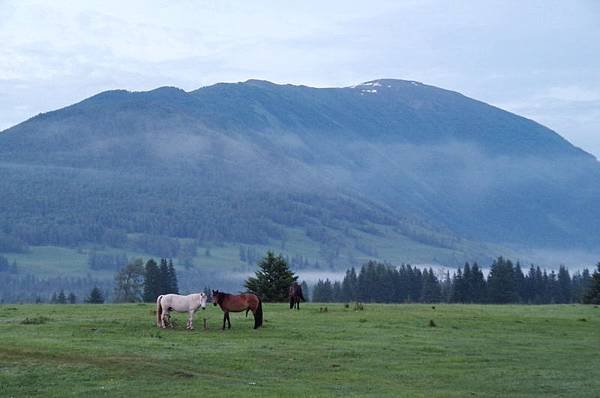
389, 169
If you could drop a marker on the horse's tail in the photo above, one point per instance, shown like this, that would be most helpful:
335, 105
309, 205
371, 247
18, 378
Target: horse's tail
258, 315
300, 293
158, 311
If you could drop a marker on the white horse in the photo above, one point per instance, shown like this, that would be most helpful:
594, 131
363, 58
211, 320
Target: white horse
174, 302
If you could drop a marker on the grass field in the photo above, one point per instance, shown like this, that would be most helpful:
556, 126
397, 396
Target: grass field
384, 350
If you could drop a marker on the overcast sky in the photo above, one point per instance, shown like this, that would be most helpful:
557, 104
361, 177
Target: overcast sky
540, 59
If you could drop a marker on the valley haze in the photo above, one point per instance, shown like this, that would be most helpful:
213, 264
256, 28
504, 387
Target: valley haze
389, 169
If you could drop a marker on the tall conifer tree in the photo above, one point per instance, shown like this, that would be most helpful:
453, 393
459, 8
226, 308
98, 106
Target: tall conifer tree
272, 281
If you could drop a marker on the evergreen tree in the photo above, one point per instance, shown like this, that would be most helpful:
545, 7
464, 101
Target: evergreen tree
365, 282
415, 283
431, 287
478, 285
501, 282
95, 297
323, 291
545, 288
564, 285
72, 299
592, 293
458, 291
403, 282
272, 280
467, 279
336, 292
529, 291
446, 287
61, 298
152, 281
540, 286
553, 288
519, 279
165, 283
581, 282
53, 298
172, 278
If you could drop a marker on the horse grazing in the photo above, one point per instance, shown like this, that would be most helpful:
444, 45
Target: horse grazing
295, 295
238, 303
174, 302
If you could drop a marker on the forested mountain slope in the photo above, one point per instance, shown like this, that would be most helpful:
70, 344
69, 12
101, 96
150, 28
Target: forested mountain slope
248, 163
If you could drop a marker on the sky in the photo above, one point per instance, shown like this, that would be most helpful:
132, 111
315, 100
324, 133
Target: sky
539, 59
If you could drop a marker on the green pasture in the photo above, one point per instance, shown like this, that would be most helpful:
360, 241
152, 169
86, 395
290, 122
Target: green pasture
383, 350
51, 261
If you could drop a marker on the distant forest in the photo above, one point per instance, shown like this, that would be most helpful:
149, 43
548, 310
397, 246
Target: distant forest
506, 283
153, 214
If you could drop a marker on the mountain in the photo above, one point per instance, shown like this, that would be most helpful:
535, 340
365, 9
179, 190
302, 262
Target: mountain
334, 173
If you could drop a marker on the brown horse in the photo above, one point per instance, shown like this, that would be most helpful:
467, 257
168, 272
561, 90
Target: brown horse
238, 303
295, 295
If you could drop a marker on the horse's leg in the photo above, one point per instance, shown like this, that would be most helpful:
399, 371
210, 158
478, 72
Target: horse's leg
191, 320
298, 304
228, 321
224, 319
165, 319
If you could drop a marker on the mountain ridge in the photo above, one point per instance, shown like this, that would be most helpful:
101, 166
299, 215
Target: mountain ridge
444, 166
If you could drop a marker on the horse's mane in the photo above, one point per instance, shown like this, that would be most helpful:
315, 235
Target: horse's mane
221, 296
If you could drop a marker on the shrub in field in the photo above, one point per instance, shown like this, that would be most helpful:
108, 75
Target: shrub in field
38, 320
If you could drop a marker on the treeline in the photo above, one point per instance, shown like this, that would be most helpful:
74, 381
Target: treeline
152, 214
137, 282
506, 283
31, 289
126, 204
159, 279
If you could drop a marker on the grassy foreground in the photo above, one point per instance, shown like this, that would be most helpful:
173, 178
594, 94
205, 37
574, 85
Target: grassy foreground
385, 350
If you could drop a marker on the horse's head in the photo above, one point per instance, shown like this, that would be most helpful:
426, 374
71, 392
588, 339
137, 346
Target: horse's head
215, 297
203, 299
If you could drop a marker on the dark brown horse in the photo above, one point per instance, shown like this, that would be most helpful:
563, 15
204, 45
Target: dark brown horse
295, 295
238, 303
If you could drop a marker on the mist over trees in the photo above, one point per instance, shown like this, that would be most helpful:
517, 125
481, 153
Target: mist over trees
183, 170
505, 283
28, 288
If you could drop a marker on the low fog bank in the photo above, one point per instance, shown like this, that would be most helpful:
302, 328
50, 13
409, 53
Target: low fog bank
574, 260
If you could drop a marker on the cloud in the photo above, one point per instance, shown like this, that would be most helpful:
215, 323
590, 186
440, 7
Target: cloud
522, 56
